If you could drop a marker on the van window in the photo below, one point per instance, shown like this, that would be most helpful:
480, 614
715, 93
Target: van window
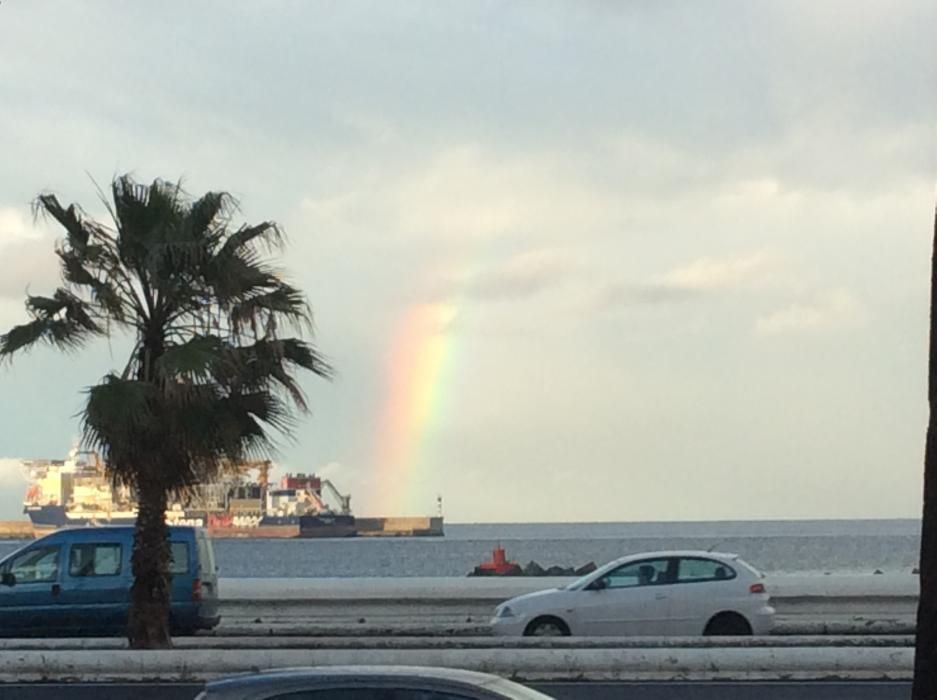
179, 553
37, 565
206, 556
94, 560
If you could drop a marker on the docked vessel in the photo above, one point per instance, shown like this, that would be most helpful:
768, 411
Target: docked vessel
77, 492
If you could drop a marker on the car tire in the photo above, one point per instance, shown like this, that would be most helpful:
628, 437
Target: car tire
728, 624
547, 626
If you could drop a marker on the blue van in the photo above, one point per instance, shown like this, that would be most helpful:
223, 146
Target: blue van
77, 581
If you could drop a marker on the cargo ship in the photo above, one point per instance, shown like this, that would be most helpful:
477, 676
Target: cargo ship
77, 492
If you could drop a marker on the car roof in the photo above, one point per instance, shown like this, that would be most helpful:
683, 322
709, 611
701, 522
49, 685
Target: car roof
677, 553
97, 532
277, 678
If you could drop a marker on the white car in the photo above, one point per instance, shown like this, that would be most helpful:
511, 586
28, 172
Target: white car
658, 593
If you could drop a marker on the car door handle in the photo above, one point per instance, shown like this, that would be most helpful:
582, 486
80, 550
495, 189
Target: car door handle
56, 589
661, 596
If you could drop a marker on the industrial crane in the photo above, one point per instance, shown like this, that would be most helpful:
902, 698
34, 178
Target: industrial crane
343, 500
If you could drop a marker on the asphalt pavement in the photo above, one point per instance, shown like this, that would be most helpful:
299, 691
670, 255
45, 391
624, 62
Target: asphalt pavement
712, 690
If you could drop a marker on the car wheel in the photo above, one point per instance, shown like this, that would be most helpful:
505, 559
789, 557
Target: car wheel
547, 627
728, 624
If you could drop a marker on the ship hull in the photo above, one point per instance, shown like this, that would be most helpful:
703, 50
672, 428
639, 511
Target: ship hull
323, 526
55, 517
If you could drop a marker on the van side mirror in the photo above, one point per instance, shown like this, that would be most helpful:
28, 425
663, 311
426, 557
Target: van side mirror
8, 579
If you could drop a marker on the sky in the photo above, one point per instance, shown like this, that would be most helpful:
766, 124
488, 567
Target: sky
573, 260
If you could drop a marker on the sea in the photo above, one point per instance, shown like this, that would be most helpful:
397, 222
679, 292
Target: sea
774, 546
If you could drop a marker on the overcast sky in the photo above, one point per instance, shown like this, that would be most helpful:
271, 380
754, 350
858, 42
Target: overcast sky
683, 247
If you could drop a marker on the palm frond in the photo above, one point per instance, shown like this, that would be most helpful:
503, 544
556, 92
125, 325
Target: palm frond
233, 276
119, 413
144, 214
195, 360
80, 232
267, 233
264, 310
105, 290
269, 364
62, 320
209, 214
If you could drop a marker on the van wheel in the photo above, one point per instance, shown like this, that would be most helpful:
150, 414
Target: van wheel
547, 626
728, 624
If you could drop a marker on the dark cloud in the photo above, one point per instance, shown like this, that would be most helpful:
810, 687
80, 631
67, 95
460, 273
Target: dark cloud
622, 295
517, 282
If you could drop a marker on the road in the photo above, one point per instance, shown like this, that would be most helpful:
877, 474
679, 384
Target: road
868, 690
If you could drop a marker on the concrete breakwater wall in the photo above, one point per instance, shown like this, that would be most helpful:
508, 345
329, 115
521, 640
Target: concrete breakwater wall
16, 530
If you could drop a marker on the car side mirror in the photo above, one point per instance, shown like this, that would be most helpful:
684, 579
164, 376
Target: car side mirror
600, 584
8, 579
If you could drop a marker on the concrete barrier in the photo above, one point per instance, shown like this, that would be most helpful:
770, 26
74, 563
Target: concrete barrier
532, 665
806, 604
842, 586
364, 643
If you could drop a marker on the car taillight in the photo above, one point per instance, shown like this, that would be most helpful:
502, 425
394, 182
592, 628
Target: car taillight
196, 590
757, 588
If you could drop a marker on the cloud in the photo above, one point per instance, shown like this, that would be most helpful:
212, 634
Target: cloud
706, 274
469, 194
687, 282
521, 276
832, 310
26, 254
644, 295
14, 226
11, 473
28, 262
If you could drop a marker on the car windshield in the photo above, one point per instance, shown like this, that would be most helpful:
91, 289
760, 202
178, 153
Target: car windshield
583, 580
517, 691
579, 582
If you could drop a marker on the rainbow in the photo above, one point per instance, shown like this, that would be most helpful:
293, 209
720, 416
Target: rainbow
419, 354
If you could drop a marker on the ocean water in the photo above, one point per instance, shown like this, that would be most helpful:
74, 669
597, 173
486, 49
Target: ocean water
835, 546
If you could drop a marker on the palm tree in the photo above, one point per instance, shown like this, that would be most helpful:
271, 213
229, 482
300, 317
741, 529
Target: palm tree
210, 377
925, 654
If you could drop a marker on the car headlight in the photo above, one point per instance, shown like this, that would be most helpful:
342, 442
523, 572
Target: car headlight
504, 611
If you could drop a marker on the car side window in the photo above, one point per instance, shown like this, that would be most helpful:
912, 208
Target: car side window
639, 573
698, 570
37, 565
94, 560
179, 553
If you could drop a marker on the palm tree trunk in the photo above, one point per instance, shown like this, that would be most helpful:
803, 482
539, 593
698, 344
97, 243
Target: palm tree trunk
925, 656
150, 594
